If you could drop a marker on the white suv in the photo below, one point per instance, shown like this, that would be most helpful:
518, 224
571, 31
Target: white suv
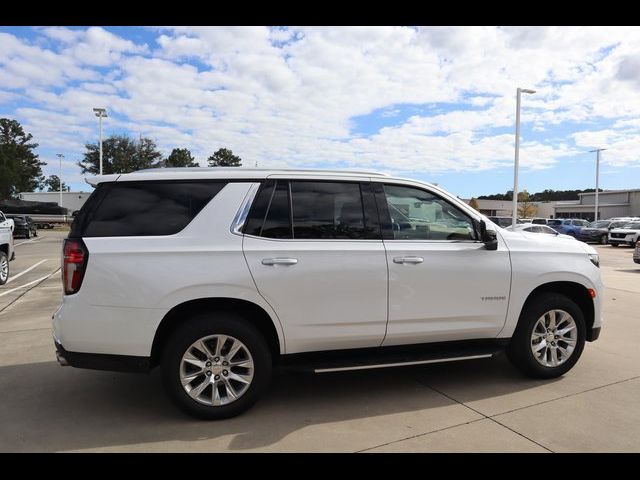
218, 275
6, 247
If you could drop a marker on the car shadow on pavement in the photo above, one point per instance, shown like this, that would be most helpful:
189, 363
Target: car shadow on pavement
49, 408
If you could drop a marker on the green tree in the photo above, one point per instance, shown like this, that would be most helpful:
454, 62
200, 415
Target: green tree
20, 167
224, 157
180, 157
52, 184
473, 203
120, 154
526, 208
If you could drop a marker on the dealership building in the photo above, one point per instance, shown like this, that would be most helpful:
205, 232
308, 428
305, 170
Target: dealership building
71, 200
611, 203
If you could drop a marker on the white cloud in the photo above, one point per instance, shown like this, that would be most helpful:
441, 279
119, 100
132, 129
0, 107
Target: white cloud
288, 96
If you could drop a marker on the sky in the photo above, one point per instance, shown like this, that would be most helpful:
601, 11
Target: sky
432, 103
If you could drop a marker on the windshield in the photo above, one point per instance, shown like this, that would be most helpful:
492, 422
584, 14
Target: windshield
600, 224
632, 226
554, 222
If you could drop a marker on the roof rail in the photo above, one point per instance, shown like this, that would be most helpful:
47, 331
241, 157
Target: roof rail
235, 169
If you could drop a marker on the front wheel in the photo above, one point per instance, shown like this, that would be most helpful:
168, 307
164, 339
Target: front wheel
216, 366
549, 338
603, 240
614, 245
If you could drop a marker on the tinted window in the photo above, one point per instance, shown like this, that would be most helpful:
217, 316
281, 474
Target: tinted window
144, 208
420, 215
277, 223
328, 210
258, 211
554, 222
539, 221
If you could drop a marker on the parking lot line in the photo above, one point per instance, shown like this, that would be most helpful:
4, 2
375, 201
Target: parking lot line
26, 271
27, 284
28, 241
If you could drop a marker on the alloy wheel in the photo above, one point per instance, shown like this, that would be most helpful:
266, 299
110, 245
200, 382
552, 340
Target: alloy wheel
4, 269
554, 338
216, 370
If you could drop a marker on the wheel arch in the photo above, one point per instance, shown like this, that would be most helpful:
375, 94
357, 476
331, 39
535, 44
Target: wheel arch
252, 312
573, 290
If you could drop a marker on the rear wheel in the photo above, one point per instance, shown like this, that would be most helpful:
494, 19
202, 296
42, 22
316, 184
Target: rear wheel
216, 366
549, 338
4, 268
614, 245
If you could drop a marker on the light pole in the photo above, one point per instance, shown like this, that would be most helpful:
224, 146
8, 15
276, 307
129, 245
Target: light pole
100, 113
60, 157
597, 150
517, 159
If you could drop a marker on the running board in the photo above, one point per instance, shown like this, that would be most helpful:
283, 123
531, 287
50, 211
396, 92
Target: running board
387, 357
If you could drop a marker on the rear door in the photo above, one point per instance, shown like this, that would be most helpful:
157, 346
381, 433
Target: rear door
315, 251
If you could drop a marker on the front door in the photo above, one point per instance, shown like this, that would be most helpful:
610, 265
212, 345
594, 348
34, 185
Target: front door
443, 284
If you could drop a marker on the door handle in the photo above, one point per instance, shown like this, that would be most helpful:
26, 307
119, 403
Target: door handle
279, 261
411, 260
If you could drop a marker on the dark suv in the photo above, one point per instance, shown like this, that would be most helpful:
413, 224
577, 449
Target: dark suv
599, 231
24, 226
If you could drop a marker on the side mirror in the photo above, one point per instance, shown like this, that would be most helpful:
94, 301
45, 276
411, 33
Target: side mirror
488, 237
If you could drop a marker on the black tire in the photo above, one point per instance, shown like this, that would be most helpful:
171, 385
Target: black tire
3, 259
604, 240
203, 325
27, 235
519, 349
615, 245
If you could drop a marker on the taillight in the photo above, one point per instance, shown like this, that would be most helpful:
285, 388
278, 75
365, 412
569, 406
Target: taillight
74, 261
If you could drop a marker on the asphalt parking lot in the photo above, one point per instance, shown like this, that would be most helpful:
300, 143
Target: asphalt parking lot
478, 406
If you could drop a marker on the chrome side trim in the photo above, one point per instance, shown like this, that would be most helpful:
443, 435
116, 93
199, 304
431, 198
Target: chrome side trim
387, 365
243, 211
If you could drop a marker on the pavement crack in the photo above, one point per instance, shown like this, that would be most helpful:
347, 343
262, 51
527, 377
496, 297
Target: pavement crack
483, 415
28, 290
419, 435
566, 396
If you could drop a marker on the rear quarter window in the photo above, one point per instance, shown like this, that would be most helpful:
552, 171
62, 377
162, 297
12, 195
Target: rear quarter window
143, 208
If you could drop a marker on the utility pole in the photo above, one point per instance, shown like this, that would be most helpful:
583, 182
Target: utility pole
597, 150
519, 91
60, 157
100, 113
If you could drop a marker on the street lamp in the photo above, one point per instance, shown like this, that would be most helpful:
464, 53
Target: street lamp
100, 113
60, 157
517, 159
597, 150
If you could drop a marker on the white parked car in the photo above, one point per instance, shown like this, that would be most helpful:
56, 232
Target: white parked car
626, 235
218, 275
533, 228
6, 247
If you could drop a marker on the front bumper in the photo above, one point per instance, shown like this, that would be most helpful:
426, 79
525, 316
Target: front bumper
621, 241
590, 236
101, 361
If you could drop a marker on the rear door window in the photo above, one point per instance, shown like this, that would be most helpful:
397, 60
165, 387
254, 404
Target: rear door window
314, 210
143, 208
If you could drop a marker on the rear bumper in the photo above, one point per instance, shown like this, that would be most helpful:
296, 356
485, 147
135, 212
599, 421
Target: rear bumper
101, 361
